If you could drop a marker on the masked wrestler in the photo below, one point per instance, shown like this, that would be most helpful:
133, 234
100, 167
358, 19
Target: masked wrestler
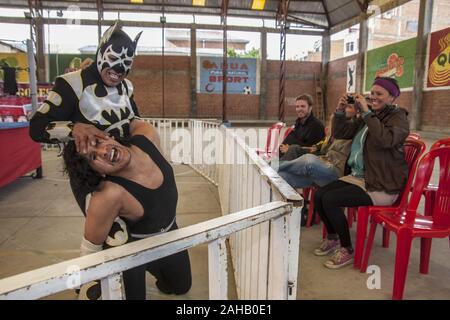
132, 181
90, 103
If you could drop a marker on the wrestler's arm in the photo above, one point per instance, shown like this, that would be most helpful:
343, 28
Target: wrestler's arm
104, 207
139, 127
53, 121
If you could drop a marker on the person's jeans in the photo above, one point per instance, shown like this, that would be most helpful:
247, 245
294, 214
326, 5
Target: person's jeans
307, 170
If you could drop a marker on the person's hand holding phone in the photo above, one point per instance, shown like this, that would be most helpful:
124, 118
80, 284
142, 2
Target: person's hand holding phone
361, 103
342, 103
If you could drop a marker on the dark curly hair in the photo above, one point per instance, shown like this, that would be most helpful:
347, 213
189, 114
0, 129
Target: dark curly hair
77, 167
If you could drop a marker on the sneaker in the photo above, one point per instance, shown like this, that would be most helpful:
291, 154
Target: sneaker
340, 259
327, 247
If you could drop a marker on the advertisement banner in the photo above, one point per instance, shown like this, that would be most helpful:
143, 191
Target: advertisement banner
42, 90
65, 63
438, 75
16, 60
395, 60
242, 75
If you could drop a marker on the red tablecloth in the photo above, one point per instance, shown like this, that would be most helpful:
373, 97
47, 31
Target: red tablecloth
18, 154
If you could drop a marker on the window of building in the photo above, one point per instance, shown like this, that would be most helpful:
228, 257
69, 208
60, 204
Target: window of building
349, 47
390, 14
411, 26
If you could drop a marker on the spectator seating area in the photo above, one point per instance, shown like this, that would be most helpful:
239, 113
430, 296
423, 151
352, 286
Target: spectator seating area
403, 217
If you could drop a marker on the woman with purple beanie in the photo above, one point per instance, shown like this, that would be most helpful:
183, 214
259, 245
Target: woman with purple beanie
376, 170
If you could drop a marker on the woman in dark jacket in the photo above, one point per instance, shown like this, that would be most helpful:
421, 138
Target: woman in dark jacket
378, 170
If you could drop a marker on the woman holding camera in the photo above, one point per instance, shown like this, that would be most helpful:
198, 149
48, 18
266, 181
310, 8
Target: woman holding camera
376, 168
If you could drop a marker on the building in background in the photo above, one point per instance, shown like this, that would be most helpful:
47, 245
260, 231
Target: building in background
392, 26
178, 42
7, 46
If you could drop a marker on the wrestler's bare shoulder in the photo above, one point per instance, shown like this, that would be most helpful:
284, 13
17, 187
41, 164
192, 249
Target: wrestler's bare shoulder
109, 191
147, 130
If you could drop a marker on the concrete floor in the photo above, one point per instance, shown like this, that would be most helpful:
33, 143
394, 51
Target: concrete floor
40, 224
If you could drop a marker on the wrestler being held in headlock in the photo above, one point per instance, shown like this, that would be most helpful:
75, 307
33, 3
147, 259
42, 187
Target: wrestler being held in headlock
132, 180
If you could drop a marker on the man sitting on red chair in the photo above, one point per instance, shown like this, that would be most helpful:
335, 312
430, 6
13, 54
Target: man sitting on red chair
308, 130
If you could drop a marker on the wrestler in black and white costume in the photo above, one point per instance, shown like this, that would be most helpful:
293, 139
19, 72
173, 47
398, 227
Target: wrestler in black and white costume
83, 96
90, 102
98, 95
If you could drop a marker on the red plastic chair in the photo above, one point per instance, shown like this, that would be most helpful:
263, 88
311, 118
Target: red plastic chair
413, 151
352, 212
414, 135
430, 191
408, 224
272, 141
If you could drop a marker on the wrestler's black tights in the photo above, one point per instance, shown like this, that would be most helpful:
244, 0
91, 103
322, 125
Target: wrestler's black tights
172, 273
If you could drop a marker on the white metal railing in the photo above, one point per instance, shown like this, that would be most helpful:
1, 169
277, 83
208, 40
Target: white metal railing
107, 265
246, 185
188, 135
244, 182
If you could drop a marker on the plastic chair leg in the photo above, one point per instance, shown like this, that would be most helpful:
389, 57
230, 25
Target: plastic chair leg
425, 251
368, 249
351, 214
361, 231
386, 237
311, 207
429, 202
349, 218
404, 241
317, 219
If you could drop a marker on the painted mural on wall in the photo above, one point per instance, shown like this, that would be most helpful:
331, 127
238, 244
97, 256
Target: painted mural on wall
65, 63
351, 76
395, 60
241, 75
439, 60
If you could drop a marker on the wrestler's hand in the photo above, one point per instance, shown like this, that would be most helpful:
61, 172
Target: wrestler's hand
85, 134
284, 148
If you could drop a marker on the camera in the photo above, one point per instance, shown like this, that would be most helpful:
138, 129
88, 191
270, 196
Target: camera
350, 99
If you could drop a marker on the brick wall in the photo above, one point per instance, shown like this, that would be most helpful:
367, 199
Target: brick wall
239, 106
300, 78
146, 76
435, 111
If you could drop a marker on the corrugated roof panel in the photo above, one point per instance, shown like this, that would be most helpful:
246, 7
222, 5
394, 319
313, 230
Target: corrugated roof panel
319, 20
306, 6
338, 10
346, 11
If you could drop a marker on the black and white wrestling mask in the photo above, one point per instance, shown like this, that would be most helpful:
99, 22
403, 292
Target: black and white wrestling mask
115, 55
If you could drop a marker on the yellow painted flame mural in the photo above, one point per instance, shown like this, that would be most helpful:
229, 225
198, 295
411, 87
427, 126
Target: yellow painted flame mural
439, 69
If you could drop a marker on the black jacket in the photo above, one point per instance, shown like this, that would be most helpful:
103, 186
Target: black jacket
307, 134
